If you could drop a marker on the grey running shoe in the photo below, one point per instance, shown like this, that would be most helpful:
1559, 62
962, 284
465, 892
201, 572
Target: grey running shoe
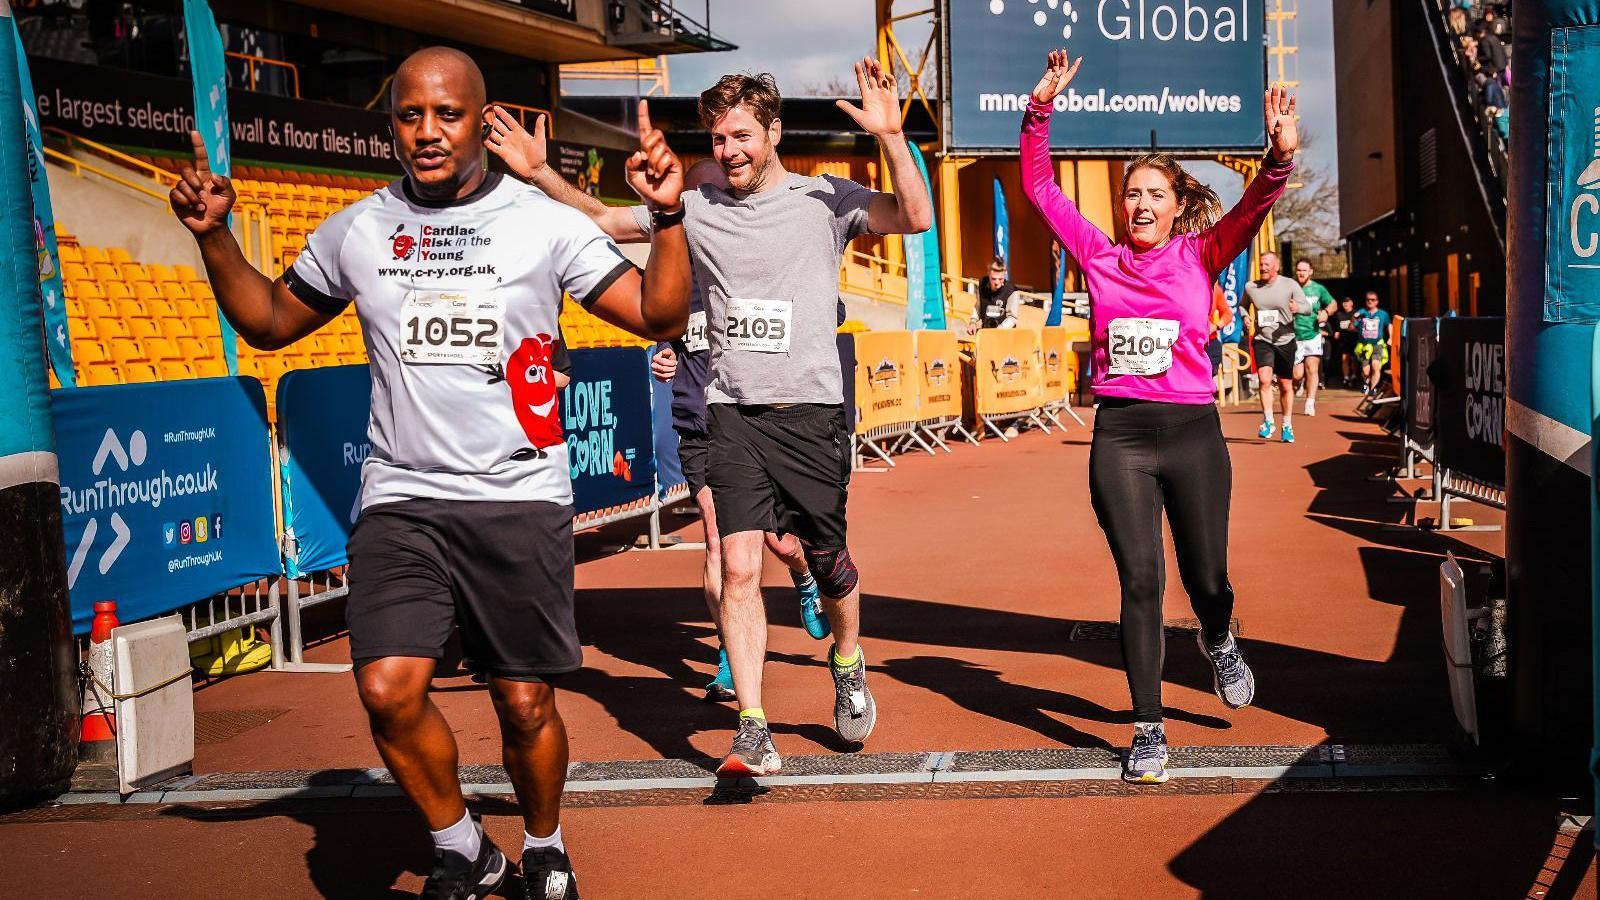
854, 712
752, 753
1231, 679
1147, 758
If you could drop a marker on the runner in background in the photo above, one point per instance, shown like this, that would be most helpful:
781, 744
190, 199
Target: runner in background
998, 301
1342, 336
1272, 302
767, 251
1372, 343
1157, 435
1308, 322
466, 497
686, 363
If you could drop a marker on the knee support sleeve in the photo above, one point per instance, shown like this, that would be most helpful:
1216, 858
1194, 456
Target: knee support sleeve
834, 571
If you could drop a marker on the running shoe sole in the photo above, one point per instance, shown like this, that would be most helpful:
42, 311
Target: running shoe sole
734, 767
716, 693
1216, 682
1161, 777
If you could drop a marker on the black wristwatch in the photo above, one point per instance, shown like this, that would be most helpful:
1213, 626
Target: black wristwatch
660, 220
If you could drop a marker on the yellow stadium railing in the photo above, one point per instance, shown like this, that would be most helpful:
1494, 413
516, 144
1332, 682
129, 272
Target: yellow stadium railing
78, 167
76, 142
528, 115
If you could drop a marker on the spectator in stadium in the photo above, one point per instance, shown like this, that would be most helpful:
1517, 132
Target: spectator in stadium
998, 300
1157, 435
1491, 52
1491, 96
1495, 23
1458, 20
466, 498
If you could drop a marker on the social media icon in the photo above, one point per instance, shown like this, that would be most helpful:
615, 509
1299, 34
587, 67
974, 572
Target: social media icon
202, 529
185, 533
169, 535
216, 528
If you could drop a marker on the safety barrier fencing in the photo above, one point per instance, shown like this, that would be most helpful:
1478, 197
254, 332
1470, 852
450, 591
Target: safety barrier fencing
179, 495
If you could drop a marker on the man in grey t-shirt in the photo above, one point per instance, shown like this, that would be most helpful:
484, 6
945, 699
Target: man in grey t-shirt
767, 251
1271, 303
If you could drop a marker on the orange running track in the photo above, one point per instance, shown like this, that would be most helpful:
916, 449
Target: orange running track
977, 566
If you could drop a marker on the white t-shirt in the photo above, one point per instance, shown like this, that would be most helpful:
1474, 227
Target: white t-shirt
459, 304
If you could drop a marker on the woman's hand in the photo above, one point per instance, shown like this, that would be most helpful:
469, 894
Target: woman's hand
1057, 75
1279, 106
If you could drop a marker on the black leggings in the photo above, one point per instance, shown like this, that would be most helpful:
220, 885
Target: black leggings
1146, 454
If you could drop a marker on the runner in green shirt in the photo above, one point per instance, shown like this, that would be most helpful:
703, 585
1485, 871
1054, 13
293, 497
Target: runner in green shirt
1308, 334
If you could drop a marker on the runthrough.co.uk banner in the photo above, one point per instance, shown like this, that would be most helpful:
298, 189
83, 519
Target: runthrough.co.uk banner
1179, 75
166, 493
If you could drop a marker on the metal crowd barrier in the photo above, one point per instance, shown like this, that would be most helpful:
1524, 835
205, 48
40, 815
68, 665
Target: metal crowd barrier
938, 431
1448, 484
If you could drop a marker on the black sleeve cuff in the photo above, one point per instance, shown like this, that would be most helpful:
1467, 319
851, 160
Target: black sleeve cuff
600, 288
314, 299
560, 360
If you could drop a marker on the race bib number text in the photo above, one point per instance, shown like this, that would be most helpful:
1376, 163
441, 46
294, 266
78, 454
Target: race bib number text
1141, 346
1369, 329
1268, 318
451, 328
694, 337
759, 326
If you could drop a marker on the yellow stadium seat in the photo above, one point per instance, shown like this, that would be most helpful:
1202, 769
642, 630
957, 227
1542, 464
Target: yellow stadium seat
116, 290
205, 327
193, 349
92, 255
173, 291
185, 274
99, 309
75, 271
145, 291
83, 290
172, 370
159, 273
106, 272
133, 272
125, 350
172, 327
192, 309
106, 329
209, 367
69, 254
88, 352
117, 256
139, 373
143, 329
250, 365
101, 373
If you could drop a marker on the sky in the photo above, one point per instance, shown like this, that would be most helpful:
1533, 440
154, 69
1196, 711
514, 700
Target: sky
810, 42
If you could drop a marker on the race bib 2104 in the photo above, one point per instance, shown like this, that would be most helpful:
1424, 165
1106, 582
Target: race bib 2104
1140, 346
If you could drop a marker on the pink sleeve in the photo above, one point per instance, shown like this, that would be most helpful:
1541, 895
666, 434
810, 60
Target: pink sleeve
1224, 241
1077, 234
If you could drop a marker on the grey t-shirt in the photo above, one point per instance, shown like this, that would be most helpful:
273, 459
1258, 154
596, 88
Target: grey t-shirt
769, 263
1274, 316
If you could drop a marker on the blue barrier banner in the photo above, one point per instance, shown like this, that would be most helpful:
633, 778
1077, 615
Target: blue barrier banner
924, 279
1233, 279
1572, 244
322, 420
166, 493
1058, 291
1002, 224
208, 66
669, 471
1167, 74
57, 340
610, 434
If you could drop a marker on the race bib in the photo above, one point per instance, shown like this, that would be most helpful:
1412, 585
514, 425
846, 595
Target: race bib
1369, 329
1268, 318
994, 312
441, 327
694, 337
759, 326
1141, 346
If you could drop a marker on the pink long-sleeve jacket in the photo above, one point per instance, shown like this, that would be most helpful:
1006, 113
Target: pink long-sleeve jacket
1150, 309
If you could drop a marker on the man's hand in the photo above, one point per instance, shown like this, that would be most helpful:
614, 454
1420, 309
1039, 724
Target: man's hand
1057, 75
654, 172
879, 112
664, 365
1278, 107
202, 200
523, 153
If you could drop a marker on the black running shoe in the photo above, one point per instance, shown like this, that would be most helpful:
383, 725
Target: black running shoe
547, 875
455, 877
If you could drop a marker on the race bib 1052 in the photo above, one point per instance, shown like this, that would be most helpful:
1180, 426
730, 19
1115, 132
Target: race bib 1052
759, 326
1138, 346
439, 327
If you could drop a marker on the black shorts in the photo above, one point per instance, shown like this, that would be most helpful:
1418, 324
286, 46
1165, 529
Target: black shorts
1280, 357
692, 449
780, 469
502, 571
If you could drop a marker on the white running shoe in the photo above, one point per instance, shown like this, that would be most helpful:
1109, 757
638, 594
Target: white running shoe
1311, 406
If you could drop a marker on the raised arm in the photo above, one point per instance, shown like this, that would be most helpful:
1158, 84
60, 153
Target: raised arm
908, 210
1077, 234
264, 312
526, 157
1232, 234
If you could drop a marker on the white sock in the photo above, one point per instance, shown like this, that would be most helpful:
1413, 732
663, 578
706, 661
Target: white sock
1269, 417
805, 576
464, 837
530, 842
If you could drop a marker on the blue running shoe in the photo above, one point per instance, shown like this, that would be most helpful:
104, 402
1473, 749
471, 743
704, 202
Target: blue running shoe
1288, 433
1266, 430
720, 690
811, 611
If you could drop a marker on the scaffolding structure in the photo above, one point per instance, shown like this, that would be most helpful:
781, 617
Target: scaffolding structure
649, 75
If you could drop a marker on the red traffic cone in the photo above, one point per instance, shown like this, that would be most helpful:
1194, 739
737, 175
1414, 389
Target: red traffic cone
99, 730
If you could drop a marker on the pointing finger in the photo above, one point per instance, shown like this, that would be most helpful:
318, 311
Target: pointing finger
202, 160
644, 119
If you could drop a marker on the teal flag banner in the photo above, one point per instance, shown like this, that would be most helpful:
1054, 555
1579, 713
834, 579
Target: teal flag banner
208, 67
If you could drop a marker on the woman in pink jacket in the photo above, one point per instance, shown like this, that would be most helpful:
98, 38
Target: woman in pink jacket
1157, 437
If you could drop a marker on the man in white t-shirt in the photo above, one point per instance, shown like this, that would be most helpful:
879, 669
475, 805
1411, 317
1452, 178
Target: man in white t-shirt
457, 274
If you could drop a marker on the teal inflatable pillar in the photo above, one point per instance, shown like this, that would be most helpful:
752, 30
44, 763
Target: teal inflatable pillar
38, 663
1553, 300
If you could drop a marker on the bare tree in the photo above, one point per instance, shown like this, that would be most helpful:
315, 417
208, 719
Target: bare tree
1308, 214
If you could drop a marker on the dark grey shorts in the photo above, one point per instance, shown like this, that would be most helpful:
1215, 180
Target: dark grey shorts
502, 571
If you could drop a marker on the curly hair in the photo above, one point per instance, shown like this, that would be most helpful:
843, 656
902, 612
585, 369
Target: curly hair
757, 93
